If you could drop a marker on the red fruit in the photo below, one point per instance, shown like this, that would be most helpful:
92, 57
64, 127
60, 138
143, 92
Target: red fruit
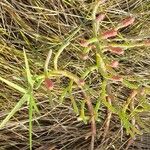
49, 83
84, 43
116, 50
114, 64
100, 17
117, 78
127, 21
109, 33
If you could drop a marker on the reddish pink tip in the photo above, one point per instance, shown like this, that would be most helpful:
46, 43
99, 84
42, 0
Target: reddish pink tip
114, 64
49, 83
117, 78
127, 21
84, 43
100, 17
116, 50
81, 82
109, 33
147, 42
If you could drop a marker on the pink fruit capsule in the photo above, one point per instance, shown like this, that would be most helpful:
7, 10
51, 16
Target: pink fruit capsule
100, 17
116, 50
114, 64
109, 33
49, 83
84, 43
117, 78
127, 21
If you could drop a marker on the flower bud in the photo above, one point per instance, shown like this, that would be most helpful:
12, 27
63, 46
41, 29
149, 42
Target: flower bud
116, 50
49, 83
114, 64
109, 34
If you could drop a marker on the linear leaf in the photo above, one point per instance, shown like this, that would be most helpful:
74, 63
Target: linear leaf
13, 85
15, 109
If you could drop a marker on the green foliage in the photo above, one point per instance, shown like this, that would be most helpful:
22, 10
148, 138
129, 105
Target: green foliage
37, 28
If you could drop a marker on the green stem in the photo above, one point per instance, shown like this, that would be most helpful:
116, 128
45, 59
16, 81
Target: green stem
94, 23
65, 73
123, 45
101, 66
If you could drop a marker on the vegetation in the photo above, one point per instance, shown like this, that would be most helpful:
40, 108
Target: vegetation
74, 74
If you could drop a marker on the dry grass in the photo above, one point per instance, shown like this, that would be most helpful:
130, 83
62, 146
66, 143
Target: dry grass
41, 25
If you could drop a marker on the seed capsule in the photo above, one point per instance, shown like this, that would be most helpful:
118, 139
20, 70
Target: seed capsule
116, 50
127, 21
109, 34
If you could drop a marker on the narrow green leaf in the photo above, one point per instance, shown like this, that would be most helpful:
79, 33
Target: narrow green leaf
74, 104
15, 109
13, 85
29, 77
35, 105
97, 107
71, 35
63, 46
63, 95
89, 70
30, 120
70, 87
84, 118
130, 85
101, 66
